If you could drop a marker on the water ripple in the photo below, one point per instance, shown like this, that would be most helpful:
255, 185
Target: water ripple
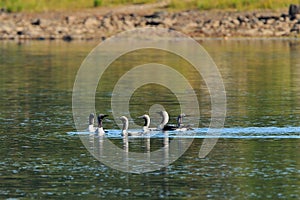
233, 133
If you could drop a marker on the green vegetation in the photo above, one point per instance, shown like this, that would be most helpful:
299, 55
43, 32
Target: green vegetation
245, 4
49, 5
231, 4
43, 5
46, 5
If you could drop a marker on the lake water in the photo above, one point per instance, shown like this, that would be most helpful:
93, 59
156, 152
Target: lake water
256, 157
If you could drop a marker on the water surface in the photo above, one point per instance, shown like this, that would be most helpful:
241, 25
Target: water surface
40, 160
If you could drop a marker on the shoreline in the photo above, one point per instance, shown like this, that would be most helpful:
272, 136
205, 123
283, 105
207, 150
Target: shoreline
199, 39
101, 23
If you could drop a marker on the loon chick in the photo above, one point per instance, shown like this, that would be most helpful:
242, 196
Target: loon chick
164, 126
91, 127
125, 131
100, 130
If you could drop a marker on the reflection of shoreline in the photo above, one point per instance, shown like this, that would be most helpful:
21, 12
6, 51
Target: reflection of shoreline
101, 23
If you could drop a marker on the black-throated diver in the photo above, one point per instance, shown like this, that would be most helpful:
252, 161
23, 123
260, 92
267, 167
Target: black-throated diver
164, 126
125, 131
146, 125
180, 125
91, 127
100, 131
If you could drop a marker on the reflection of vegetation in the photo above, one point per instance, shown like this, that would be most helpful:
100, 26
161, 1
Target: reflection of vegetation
37, 80
261, 79
151, 94
258, 79
148, 95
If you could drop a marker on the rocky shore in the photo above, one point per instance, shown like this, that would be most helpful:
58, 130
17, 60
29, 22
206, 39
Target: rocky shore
102, 23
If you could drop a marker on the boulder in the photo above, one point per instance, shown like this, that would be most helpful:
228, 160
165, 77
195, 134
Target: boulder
70, 19
67, 38
266, 32
36, 22
91, 22
296, 28
293, 11
235, 21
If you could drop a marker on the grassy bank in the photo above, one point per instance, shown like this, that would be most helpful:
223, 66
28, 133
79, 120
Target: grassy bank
46, 5
232, 4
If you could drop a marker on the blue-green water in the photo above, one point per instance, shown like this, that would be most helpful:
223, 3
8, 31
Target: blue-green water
40, 160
